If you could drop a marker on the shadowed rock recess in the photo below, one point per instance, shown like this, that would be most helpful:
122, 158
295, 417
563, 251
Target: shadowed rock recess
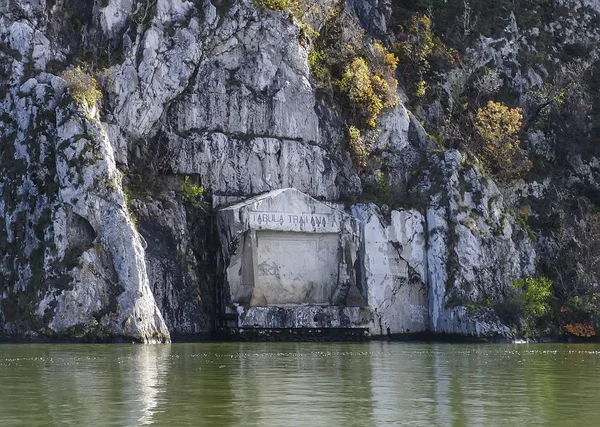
177, 169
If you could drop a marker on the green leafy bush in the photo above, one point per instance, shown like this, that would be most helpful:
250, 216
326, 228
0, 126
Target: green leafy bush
191, 192
414, 51
317, 61
421, 53
535, 296
358, 148
278, 5
83, 87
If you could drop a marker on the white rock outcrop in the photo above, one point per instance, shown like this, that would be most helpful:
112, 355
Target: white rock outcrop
394, 269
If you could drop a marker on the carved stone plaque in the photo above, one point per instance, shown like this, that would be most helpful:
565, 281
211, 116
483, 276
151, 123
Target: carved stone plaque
295, 268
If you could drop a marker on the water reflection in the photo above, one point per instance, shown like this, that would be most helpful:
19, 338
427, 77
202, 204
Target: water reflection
309, 385
254, 384
145, 382
81, 385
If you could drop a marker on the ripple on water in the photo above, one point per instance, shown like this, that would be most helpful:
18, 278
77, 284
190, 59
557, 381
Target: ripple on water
295, 384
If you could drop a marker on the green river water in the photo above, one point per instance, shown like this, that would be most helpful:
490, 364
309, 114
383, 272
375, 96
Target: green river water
300, 384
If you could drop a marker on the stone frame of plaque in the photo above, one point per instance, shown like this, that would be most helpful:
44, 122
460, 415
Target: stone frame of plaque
286, 249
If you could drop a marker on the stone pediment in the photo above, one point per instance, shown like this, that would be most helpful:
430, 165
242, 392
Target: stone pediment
285, 210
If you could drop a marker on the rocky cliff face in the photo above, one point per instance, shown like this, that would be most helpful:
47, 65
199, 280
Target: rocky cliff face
103, 234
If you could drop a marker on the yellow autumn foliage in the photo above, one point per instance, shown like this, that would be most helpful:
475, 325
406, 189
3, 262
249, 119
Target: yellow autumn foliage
498, 128
368, 93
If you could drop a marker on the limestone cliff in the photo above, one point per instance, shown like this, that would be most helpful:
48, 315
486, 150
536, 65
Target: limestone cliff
113, 114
